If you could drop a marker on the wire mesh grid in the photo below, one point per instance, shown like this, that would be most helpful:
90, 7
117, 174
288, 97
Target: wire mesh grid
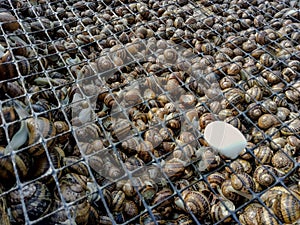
104, 104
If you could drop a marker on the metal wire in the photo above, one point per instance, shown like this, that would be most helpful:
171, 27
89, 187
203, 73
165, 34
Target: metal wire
69, 30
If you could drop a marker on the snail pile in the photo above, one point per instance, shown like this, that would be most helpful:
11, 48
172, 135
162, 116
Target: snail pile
104, 106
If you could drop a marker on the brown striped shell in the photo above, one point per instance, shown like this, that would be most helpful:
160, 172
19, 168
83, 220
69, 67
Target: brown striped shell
39, 128
287, 208
37, 199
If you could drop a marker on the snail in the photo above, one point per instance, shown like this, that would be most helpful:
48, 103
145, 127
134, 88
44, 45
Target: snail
31, 131
195, 202
264, 175
37, 200
287, 208
219, 211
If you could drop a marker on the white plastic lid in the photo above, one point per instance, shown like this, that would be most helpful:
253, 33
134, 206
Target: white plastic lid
225, 138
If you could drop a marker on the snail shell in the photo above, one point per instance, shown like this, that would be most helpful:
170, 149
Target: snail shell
119, 51
267, 120
166, 134
121, 129
233, 69
216, 179
13, 89
10, 22
242, 182
205, 119
36, 128
266, 60
294, 141
74, 165
149, 190
133, 96
130, 146
173, 123
234, 121
254, 111
132, 48
187, 100
185, 153
254, 93
23, 164
269, 106
197, 203
62, 129
266, 217
174, 168
94, 155
154, 137
94, 216
41, 165
9, 70
250, 215
263, 154
129, 186
215, 107
184, 219
224, 113
234, 96
135, 163
118, 201
144, 150
80, 213
239, 165
9, 115
292, 128
256, 135
72, 187
163, 197
170, 55
277, 143
273, 77
37, 201
225, 83
249, 46
264, 175
282, 113
257, 53
271, 194
220, 210
210, 160
147, 219
228, 191
168, 146
282, 161
104, 64
287, 208
111, 169
130, 208
188, 138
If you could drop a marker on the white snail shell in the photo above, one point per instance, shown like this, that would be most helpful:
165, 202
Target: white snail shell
225, 138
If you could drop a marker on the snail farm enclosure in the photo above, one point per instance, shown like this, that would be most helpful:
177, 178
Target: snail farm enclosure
104, 104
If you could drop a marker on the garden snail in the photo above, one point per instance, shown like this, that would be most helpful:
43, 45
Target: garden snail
38, 201
9, 21
8, 69
218, 211
264, 175
195, 202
